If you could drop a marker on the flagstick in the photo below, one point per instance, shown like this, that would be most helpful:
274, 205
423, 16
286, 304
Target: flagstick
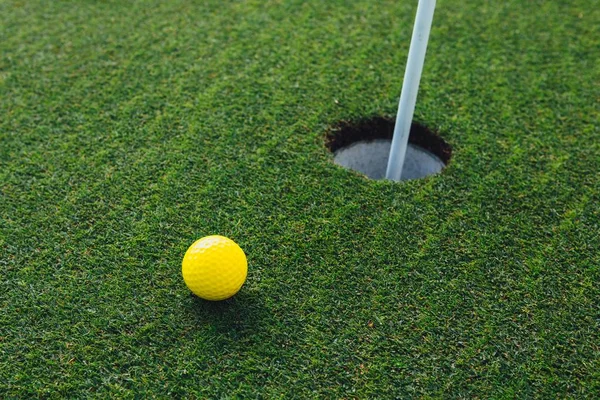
410, 88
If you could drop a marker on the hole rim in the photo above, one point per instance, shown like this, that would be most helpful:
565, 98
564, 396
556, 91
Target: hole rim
346, 133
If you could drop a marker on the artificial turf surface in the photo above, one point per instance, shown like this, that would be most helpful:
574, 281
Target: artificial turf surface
130, 129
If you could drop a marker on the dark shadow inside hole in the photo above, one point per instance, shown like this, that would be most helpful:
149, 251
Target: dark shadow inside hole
346, 133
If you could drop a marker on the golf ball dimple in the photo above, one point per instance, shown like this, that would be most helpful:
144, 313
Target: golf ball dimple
214, 268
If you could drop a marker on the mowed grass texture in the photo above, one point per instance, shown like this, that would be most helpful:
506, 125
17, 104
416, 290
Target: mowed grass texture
130, 129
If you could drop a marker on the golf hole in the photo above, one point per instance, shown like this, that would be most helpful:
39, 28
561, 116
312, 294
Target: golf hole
364, 146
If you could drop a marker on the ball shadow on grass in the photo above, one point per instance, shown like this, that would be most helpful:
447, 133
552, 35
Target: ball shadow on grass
234, 316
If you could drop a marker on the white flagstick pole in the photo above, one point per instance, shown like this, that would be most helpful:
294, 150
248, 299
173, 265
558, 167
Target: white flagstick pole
410, 88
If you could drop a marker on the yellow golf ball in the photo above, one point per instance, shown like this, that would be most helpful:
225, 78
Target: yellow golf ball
214, 268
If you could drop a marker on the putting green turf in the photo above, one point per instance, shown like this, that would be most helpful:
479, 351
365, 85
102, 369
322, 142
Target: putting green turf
130, 129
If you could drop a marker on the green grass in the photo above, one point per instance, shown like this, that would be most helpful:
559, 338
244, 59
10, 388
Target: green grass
130, 129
